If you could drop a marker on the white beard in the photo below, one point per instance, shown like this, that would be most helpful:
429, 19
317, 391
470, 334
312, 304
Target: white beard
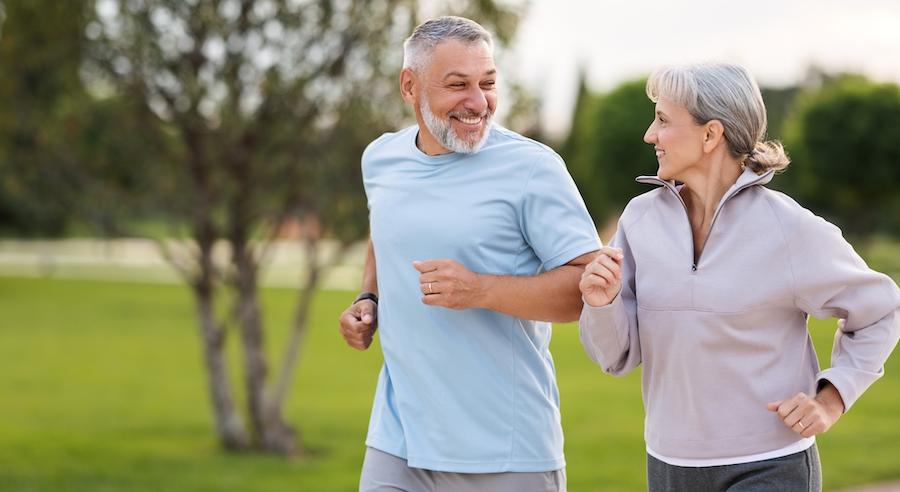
443, 131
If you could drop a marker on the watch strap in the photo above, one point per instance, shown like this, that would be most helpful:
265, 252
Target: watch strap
367, 295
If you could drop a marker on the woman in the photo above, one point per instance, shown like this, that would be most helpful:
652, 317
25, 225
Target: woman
709, 282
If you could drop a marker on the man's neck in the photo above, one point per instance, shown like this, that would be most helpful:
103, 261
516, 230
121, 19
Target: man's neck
428, 144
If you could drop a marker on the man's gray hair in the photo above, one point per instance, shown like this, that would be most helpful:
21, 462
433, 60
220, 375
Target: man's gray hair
428, 35
728, 93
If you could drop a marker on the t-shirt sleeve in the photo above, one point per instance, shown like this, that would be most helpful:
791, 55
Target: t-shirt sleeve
365, 168
553, 217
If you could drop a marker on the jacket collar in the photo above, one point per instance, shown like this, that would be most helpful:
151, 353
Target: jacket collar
747, 179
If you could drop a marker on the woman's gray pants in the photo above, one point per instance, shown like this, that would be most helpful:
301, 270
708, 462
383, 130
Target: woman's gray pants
794, 472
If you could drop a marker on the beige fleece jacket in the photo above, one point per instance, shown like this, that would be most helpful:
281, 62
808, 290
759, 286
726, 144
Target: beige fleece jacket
721, 338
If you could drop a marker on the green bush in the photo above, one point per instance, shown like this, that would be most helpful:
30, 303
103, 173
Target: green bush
844, 138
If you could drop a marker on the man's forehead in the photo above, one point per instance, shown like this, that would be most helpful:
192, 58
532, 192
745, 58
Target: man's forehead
462, 74
456, 58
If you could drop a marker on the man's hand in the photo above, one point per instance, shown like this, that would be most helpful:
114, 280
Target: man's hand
602, 277
448, 284
358, 324
808, 415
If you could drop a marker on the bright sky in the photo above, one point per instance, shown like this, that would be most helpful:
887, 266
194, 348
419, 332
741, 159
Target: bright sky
616, 40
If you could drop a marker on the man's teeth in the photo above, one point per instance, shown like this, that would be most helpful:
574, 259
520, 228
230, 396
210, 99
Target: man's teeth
470, 121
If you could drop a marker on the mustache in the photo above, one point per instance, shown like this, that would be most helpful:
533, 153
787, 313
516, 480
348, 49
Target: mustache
471, 114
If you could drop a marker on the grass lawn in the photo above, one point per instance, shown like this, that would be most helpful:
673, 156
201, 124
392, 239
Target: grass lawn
102, 389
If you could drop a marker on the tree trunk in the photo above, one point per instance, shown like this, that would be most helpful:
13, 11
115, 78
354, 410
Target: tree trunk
270, 432
298, 333
305, 295
229, 426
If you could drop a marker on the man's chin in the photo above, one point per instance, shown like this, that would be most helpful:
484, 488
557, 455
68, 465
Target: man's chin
472, 138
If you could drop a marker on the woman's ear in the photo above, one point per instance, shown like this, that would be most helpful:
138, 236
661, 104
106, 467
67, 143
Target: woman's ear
713, 135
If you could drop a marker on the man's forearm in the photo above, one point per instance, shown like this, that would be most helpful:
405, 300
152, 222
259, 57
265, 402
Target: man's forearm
549, 296
369, 277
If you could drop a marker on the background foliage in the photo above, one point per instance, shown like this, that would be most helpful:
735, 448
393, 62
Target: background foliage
109, 109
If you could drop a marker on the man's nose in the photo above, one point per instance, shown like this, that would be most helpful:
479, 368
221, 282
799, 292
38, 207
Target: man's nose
476, 101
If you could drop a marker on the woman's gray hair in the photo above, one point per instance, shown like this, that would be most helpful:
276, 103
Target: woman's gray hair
431, 33
727, 93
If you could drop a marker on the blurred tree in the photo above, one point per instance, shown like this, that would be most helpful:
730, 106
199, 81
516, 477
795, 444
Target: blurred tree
843, 140
40, 43
575, 148
523, 110
606, 150
61, 150
778, 103
256, 112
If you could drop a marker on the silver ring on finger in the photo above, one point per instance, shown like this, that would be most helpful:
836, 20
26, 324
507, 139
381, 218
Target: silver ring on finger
430, 290
800, 423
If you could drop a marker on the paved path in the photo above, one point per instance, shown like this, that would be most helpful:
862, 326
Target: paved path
138, 260
881, 487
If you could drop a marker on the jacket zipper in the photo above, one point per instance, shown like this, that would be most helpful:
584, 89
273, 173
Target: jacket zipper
690, 231
708, 233
725, 199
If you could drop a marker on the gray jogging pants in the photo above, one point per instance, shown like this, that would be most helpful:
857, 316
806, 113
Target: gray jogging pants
383, 472
794, 472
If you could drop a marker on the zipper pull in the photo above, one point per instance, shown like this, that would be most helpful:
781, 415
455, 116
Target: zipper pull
694, 267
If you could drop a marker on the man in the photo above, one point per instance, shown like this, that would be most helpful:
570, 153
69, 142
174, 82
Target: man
475, 231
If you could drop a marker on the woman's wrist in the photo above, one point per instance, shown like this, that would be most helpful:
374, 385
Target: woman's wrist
830, 398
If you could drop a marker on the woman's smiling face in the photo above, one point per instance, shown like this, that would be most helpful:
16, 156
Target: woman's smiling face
676, 137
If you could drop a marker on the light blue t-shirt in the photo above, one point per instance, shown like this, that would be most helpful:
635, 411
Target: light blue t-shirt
471, 391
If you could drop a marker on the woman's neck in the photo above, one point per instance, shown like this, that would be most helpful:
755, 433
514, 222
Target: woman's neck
706, 184
704, 187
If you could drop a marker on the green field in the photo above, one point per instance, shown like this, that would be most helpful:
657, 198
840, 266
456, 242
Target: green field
102, 389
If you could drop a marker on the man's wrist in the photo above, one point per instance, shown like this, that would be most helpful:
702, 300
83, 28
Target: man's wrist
371, 296
484, 291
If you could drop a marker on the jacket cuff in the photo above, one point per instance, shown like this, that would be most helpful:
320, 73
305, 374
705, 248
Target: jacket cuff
604, 333
850, 383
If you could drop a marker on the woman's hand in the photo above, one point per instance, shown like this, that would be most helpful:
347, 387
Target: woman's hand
602, 278
808, 415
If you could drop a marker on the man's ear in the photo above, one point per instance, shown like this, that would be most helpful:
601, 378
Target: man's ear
713, 134
408, 82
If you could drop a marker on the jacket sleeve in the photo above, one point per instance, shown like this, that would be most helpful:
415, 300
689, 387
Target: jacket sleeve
609, 333
831, 280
